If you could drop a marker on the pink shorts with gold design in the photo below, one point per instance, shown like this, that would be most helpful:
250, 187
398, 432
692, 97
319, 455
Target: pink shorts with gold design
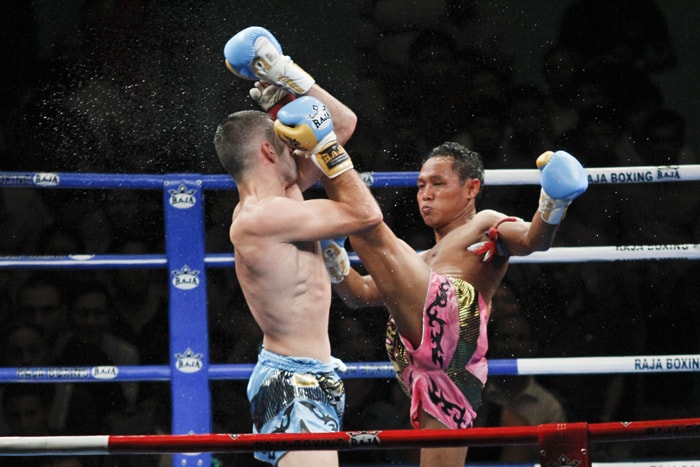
446, 373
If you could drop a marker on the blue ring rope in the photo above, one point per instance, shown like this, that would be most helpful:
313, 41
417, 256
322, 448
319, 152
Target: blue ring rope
241, 371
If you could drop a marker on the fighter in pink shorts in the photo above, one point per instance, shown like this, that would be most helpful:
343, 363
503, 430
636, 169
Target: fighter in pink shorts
446, 373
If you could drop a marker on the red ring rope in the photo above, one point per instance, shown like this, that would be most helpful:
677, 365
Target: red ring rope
384, 439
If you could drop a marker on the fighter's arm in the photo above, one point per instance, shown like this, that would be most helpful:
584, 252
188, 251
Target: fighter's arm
358, 291
344, 119
283, 220
520, 238
255, 54
563, 180
307, 173
272, 98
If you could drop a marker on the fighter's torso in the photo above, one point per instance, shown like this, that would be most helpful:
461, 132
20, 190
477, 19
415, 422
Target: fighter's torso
451, 257
287, 290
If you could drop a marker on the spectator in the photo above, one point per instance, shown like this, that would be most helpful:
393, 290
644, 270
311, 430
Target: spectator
511, 400
59, 238
24, 345
369, 401
142, 317
25, 407
589, 310
505, 301
527, 128
670, 217
597, 135
659, 138
141, 305
91, 311
40, 299
72, 409
81, 349
560, 69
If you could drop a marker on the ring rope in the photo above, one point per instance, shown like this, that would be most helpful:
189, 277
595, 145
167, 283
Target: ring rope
344, 440
602, 175
241, 371
685, 251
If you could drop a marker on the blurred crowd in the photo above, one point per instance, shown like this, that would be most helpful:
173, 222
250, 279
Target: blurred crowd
427, 72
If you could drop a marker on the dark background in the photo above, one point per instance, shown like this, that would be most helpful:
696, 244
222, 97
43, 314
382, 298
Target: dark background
168, 90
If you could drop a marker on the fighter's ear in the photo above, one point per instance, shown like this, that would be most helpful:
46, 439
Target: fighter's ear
473, 186
269, 152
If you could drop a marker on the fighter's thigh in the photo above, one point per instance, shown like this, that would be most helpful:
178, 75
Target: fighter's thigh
401, 276
399, 272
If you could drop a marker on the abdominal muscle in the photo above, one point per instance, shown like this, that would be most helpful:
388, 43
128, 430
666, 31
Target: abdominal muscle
290, 301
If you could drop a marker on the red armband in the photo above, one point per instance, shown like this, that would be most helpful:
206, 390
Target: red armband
493, 246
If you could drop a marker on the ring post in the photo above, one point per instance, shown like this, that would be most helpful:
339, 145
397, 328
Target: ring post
189, 346
564, 445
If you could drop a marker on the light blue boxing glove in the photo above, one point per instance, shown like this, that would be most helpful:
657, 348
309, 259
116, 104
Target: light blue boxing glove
563, 180
306, 125
255, 54
336, 258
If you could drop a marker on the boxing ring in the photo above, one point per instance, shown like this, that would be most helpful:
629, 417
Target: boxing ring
189, 371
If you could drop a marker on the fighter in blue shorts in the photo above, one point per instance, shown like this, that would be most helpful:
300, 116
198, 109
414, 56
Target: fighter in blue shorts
275, 233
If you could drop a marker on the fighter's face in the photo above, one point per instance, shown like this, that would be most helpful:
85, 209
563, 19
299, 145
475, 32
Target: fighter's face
442, 197
287, 163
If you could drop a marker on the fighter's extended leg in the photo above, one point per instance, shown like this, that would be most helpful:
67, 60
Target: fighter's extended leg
400, 274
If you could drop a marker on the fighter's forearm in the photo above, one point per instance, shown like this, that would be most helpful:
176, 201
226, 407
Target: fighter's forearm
344, 119
358, 291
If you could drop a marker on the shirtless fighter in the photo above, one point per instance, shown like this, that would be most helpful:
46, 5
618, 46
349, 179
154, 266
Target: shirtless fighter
275, 233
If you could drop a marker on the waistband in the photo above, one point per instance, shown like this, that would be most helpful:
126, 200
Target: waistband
299, 364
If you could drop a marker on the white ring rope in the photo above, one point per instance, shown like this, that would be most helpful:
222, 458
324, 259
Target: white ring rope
688, 251
54, 445
608, 365
602, 175
611, 253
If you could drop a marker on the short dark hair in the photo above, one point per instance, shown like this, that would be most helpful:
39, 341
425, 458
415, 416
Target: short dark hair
467, 163
234, 135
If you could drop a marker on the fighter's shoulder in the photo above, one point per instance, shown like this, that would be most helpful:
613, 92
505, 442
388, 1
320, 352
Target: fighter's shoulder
255, 215
487, 218
270, 206
478, 226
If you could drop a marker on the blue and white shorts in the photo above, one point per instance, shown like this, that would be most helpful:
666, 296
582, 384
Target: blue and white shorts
294, 395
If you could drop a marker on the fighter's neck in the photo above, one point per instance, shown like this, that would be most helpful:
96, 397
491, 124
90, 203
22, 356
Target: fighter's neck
442, 231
